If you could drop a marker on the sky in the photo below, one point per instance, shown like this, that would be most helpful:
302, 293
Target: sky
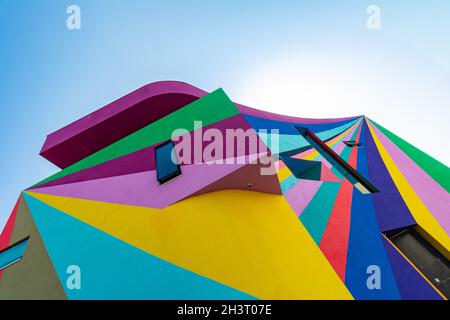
302, 58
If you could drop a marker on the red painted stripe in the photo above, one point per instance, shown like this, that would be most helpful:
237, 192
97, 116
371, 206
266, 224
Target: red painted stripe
334, 242
5, 236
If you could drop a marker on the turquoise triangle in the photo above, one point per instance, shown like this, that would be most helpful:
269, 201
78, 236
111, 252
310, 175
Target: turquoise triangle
113, 269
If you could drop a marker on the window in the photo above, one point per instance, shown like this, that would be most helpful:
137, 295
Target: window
167, 167
358, 181
433, 265
13, 253
353, 144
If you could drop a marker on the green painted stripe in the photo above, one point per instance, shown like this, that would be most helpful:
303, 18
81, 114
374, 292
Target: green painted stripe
437, 170
210, 109
315, 216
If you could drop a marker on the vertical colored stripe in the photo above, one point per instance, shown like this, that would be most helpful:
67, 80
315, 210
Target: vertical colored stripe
392, 212
316, 215
365, 246
334, 243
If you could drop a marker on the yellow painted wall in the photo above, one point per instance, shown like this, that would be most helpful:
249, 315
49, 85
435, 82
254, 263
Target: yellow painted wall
250, 241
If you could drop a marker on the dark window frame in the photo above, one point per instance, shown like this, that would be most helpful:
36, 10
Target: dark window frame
161, 175
11, 247
353, 144
423, 255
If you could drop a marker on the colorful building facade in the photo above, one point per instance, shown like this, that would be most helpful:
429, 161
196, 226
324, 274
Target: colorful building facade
171, 192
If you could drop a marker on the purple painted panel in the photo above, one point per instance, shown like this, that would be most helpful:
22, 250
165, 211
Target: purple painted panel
142, 189
144, 160
392, 212
139, 161
300, 195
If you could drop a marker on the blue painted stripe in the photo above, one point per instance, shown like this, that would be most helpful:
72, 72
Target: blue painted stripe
365, 247
288, 142
287, 127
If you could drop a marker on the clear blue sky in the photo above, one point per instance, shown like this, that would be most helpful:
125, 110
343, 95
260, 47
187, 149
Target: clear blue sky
304, 58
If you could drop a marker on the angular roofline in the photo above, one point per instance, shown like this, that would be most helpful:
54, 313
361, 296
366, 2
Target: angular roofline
119, 105
132, 112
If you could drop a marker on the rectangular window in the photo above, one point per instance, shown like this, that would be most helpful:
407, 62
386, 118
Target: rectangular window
167, 167
353, 144
13, 253
433, 265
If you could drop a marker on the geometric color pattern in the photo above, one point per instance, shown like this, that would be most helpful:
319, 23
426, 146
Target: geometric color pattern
223, 229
